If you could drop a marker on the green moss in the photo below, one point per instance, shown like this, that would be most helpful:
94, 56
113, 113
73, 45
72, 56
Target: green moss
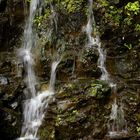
137, 27
58, 120
39, 19
71, 5
67, 117
128, 21
99, 90
72, 116
133, 8
103, 3
115, 15
71, 86
138, 129
94, 90
48, 133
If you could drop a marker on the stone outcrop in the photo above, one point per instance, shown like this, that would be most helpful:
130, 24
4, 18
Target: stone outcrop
82, 103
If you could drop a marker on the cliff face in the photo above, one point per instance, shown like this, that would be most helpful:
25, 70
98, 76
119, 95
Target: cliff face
11, 87
82, 104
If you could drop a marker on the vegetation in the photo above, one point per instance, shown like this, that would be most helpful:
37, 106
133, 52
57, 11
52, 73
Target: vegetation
82, 102
129, 46
71, 5
138, 128
133, 8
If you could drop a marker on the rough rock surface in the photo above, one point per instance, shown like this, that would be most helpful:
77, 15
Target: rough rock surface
82, 103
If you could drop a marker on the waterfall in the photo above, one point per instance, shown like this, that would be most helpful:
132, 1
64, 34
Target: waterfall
35, 109
53, 75
36, 103
95, 41
25, 52
117, 125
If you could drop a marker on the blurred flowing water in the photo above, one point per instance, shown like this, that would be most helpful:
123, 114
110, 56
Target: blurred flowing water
117, 125
36, 108
94, 40
25, 52
36, 103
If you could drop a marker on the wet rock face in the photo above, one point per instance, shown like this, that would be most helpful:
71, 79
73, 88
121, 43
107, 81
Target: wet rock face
10, 125
11, 21
11, 90
126, 65
77, 110
11, 85
82, 105
81, 109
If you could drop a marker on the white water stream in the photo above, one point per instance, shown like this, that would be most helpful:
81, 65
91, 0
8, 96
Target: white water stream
35, 108
25, 52
95, 41
36, 103
117, 125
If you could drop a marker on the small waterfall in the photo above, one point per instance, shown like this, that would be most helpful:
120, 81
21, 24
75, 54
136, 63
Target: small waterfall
89, 28
117, 125
53, 75
36, 103
95, 41
35, 108
25, 52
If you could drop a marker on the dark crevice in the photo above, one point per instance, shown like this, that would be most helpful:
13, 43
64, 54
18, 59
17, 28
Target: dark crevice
3, 5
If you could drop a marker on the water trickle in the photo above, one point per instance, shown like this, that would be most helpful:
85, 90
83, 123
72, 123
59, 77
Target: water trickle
89, 28
95, 41
117, 125
53, 75
19, 68
113, 114
53, 17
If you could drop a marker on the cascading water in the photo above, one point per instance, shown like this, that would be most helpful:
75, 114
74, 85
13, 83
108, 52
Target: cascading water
89, 29
95, 41
118, 125
53, 75
25, 52
35, 108
36, 103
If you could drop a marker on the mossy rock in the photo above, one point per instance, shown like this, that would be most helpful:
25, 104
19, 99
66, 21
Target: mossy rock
99, 90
